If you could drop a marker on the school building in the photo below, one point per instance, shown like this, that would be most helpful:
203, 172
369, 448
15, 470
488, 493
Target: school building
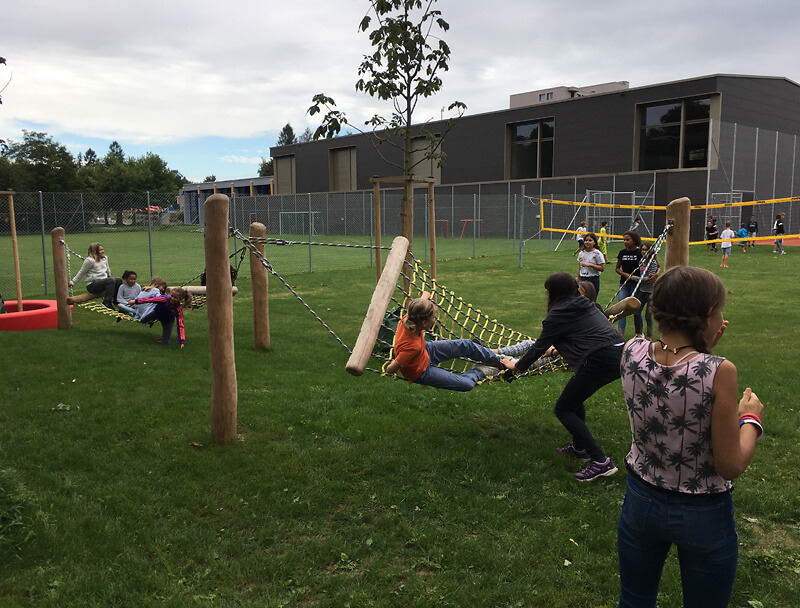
717, 138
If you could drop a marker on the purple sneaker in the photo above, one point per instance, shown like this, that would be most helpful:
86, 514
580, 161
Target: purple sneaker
596, 469
571, 450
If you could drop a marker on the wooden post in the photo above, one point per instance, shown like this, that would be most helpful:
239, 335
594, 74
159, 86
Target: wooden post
224, 394
377, 308
260, 282
407, 212
678, 242
376, 209
14, 248
61, 278
432, 229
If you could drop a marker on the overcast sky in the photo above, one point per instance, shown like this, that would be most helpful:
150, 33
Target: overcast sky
208, 85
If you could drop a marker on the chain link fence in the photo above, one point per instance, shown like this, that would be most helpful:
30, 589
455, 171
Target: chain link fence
157, 234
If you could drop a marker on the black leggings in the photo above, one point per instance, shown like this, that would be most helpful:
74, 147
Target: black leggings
600, 368
108, 287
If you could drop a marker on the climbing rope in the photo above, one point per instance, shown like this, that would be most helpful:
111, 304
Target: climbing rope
643, 265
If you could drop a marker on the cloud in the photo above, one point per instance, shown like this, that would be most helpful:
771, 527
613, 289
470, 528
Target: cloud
155, 73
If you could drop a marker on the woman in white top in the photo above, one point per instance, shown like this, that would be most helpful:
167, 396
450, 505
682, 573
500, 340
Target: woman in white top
98, 275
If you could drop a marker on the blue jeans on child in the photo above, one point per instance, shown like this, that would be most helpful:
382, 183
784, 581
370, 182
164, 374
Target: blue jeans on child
625, 291
701, 527
444, 350
128, 310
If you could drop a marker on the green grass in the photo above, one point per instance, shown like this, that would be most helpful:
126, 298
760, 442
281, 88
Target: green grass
344, 491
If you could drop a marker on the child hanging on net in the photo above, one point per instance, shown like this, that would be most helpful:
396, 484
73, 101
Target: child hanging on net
168, 309
416, 359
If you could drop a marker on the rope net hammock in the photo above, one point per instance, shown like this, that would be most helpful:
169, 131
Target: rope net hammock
198, 300
456, 317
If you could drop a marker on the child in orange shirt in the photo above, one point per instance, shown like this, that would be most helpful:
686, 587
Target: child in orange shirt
416, 359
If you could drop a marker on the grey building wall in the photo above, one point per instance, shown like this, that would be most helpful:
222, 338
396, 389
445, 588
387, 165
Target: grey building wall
594, 135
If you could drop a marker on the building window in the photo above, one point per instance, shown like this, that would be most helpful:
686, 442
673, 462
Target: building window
674, 135
531, 149
545, 96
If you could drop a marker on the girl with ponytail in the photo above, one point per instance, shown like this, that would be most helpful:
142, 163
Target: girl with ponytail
690, 439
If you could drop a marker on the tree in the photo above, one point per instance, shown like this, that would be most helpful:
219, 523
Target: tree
306, 136
39, 163
266, 168
90, 158
115, 151
209, 179
286, 136
404, 68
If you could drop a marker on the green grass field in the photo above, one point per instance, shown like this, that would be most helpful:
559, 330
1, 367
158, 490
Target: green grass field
344, 491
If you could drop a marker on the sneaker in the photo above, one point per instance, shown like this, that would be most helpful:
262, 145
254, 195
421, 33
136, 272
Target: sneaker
108, 304
596, 469
783, 253
571, 450
487, 370
516, 350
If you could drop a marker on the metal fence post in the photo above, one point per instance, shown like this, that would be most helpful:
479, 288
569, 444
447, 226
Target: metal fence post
149, 235
44, 251
521, 216
474, 217
310, 263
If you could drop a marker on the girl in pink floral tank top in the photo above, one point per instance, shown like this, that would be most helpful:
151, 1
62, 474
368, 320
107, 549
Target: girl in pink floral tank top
670, 412
689, 441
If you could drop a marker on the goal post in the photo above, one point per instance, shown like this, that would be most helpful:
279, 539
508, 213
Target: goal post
300, 222
565, 217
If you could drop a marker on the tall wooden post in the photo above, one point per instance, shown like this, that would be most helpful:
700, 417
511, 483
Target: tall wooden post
432, 228
376, 209
224, 394
677, 254
14, 248
61, 278
260, 282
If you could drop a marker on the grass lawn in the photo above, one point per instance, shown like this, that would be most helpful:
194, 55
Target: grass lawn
344, 491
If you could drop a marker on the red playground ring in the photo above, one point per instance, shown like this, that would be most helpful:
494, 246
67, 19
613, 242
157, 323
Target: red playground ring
36, 314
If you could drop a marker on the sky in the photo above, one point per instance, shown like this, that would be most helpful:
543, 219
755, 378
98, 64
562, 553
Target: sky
209, 85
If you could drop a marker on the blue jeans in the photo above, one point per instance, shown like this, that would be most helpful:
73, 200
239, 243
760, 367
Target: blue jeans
699, 525
626, 291
128, 310
595, 280
444, 350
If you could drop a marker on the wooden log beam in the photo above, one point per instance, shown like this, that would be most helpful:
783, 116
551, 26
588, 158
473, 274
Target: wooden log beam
260, 282
224, 395
60, 277
381, 297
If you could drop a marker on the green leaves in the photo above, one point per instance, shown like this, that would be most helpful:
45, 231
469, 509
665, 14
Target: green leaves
404, 67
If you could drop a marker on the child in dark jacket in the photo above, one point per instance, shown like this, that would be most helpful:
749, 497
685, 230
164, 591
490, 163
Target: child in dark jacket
169, 307
589, 343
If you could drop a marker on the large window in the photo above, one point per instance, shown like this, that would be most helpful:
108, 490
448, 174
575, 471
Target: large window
531, 149
674, 134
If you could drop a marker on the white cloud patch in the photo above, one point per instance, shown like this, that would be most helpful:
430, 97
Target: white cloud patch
155, 73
